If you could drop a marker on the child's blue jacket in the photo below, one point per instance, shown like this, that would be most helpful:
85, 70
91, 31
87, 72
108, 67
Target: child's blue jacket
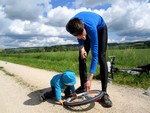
59, 86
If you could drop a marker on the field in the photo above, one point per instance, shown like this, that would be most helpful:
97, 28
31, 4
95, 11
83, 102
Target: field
61, 61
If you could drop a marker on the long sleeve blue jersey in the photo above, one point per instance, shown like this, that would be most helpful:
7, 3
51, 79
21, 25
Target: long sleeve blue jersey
92, 23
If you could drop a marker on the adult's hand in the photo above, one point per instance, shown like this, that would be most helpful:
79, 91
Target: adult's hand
83, 53
89, 83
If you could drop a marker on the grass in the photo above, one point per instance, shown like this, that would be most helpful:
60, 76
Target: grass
61, 61
140, 81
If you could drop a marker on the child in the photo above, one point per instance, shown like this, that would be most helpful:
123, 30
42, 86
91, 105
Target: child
61, 83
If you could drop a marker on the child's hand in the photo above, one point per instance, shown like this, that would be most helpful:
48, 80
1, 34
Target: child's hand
74, 94
61, 102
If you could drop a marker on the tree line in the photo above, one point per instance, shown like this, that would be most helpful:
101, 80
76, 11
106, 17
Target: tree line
74, 47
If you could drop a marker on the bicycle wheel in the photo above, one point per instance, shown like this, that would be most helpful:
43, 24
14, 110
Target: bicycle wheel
84, 98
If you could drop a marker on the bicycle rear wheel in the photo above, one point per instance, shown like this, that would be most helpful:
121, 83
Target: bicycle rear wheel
84, 98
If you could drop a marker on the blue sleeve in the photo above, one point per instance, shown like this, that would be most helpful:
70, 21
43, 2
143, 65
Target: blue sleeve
94, 50
58, 91
81, 42
72, 88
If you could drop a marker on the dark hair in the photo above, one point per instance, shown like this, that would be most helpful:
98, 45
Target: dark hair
75, 26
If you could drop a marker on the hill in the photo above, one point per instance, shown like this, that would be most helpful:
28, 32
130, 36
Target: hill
135, 45
74, 47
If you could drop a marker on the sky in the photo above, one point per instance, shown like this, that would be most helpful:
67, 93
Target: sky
38, 23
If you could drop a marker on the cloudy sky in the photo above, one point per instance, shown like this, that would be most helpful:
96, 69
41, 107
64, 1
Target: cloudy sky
32, 23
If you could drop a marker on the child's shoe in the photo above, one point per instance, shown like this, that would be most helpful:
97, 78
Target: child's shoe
42, 98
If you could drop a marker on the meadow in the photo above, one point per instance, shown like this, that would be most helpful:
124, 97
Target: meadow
61, 61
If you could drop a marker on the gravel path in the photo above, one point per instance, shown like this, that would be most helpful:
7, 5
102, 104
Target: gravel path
20, 94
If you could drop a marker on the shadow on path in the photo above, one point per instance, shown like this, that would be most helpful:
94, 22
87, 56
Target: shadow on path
35, 100
80, 108
35, 97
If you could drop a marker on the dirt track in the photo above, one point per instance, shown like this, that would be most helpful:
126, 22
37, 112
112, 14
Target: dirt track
19, 94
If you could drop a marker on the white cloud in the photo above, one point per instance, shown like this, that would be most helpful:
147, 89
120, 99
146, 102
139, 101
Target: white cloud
89, 3
24, 9
2, 14
129, 19
23, 24
17, 27
60, 16
45, 41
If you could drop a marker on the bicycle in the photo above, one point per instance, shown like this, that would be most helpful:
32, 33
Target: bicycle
138, 70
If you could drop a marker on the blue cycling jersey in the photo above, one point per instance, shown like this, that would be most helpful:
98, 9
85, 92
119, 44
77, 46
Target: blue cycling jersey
92, 23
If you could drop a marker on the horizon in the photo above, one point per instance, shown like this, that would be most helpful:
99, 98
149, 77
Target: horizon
76, 44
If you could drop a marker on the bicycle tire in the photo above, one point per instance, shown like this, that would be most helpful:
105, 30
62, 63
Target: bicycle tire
69, 101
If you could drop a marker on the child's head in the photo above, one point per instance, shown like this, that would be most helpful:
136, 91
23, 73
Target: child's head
69, 77
75, 27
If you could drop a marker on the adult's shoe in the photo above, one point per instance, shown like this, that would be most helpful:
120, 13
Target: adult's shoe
80, 90
105, 101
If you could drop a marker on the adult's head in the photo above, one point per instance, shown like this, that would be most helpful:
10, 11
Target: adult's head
76, 28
